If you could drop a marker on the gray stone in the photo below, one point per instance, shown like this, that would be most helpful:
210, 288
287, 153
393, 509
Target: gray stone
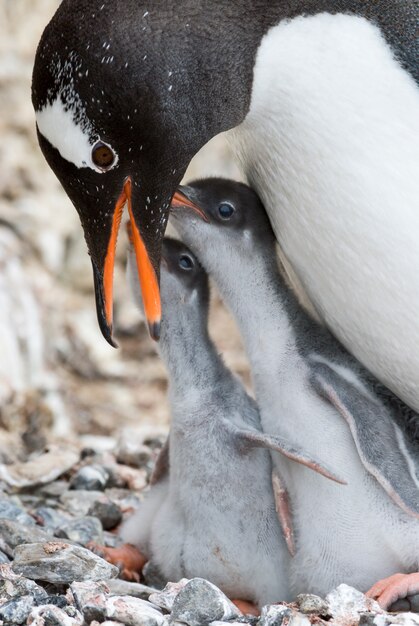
200, 602
409, 604
130, 452
89, 593
90, 478
134, 612
166, 597
387, 619
346, 603
54, 489
40, 469
12, 585
107, 511
274, 615
60, 562
15, 534
16, 611
9, 510
57, 600
79, 502
51, 615
309, 603
118, 587
50, 517
298, 619
82, 530
93, 601
4, 558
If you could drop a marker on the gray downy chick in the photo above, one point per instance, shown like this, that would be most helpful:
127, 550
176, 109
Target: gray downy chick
213, 513
311, 390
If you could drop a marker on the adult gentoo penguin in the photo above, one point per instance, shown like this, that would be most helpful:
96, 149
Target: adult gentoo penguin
322, 101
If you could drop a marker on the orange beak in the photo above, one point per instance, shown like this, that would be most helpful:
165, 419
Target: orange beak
180, 200
146, 274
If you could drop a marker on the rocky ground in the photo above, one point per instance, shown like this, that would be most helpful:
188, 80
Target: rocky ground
54, 512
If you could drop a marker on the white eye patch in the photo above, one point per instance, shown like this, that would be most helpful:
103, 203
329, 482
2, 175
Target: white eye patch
72, 140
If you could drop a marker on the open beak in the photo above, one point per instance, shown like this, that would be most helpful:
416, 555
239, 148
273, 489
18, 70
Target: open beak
146, 273
180, 200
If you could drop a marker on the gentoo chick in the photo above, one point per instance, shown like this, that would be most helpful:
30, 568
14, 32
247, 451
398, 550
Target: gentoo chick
214, 513
310, 389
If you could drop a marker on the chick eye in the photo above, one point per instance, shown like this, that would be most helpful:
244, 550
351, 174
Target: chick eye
185, 262
225, 210
102, 155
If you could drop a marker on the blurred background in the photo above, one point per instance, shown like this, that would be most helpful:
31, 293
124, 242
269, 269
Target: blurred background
59, 379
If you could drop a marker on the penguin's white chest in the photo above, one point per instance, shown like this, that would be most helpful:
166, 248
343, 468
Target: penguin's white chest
331, 145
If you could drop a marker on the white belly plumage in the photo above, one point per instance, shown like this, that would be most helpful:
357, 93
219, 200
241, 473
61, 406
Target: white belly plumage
331, 143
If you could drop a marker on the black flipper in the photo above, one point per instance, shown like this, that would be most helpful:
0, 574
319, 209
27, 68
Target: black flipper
382, 447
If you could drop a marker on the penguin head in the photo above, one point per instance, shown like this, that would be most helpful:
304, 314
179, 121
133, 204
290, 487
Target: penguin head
121, 96
184, 286
235, 227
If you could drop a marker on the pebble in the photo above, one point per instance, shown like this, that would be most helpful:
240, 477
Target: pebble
42, 469
4, 558
409, 604
54, 489
134, 612
166, 597
107, 511
60, 562
9, 510
311, 604
51, 615
275, 615
94, 601
200, 602
15, 534
118, 587
346, 603
402, 619
12, 585
50, 518
130, 452
82, 530
90, 478
85, 593
16, 611
78, 502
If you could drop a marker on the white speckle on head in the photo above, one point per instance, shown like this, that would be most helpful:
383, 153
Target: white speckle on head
170, 87
74, 141
145, 14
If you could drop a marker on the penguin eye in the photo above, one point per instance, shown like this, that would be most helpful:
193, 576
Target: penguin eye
185, 262
225, 210
102, 155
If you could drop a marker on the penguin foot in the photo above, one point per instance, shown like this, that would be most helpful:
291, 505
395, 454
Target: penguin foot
127, 558
247, 608
394, 588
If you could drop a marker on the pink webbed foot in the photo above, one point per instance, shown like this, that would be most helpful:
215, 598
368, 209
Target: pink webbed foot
394, 588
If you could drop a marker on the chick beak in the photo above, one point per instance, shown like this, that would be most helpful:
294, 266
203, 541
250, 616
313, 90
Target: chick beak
180, 200
146, 273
